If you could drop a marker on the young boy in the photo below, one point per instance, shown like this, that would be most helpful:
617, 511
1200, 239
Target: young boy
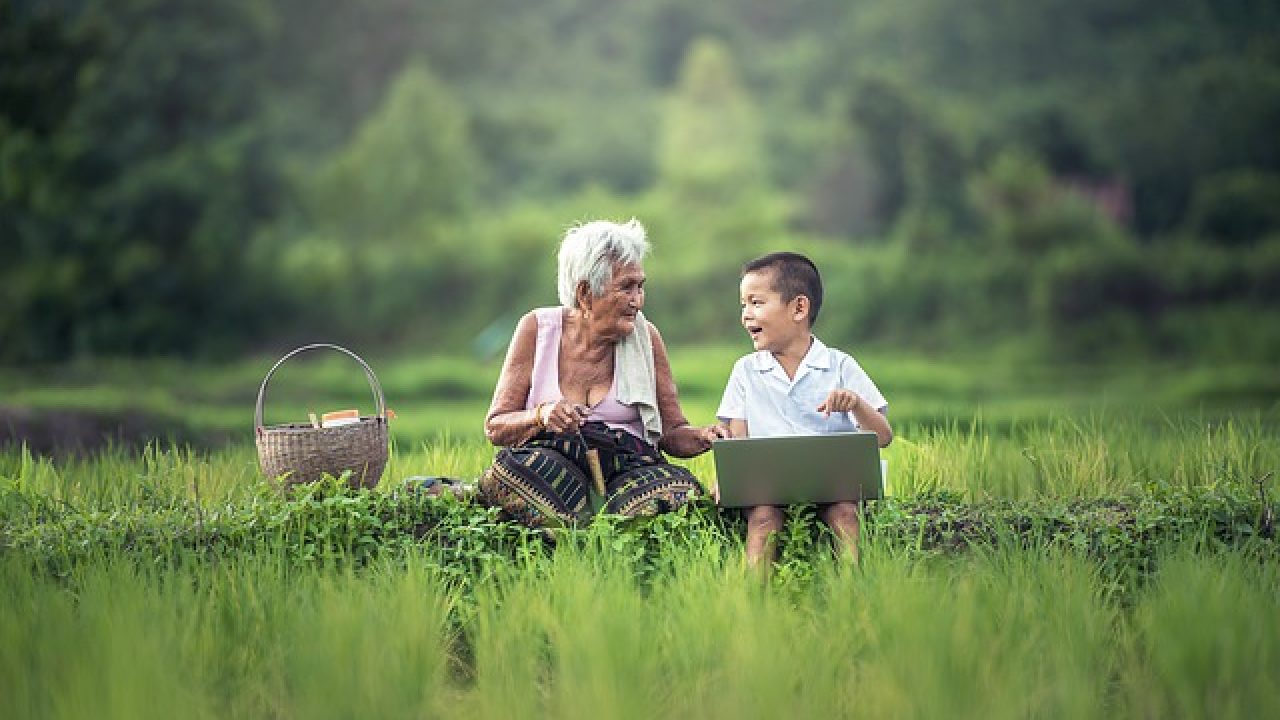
795, 385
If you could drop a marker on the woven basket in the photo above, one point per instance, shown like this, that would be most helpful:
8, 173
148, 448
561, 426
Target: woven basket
300, 453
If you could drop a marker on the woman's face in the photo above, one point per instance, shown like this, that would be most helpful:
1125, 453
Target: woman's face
614, 311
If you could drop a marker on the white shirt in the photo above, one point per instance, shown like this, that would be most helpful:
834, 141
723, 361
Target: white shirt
760, 392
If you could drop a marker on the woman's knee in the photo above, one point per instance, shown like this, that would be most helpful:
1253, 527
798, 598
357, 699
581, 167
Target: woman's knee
650, 490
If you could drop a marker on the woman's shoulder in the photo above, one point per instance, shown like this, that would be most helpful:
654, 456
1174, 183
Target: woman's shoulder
540, 321
537, 322
547, 316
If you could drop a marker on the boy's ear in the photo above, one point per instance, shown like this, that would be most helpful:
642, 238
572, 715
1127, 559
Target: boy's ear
801, 311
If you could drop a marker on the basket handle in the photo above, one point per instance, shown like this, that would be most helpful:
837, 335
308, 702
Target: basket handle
368, 372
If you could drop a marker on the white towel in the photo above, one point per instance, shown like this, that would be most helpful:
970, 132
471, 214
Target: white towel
636, 379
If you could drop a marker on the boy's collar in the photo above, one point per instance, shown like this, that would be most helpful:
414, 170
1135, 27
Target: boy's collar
817, 357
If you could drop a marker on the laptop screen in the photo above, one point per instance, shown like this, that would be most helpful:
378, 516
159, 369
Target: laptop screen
787, 470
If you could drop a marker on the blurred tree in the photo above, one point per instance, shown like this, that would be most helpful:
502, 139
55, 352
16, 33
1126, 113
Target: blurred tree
676, 25
710, 145
1236, 208
332, 61
713, 195
920, 164
844, 191
136, 180
410, 165
1024, 210
1160, 94
178, 174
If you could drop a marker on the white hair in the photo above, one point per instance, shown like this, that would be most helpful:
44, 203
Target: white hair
589, 251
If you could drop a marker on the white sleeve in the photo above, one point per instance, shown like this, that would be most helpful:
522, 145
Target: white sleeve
733, 405
854, 378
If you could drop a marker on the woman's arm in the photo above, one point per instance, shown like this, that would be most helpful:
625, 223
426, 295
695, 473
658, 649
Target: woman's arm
678, 437
508, 422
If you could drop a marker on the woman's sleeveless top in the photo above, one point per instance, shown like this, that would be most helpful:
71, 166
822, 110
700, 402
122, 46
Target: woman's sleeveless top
545, 385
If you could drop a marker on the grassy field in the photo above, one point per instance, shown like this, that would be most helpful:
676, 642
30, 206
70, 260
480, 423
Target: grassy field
212, 405
1004, 633
1057, 543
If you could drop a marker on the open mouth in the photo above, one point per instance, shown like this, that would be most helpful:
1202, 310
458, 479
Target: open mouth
754, 331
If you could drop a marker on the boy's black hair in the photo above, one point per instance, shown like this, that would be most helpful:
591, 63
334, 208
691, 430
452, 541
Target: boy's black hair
793, 275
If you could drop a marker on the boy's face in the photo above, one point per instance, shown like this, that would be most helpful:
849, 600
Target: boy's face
772, 324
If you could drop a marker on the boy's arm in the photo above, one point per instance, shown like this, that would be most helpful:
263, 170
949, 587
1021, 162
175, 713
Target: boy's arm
737, 427
870, 418
867, 417
732, 412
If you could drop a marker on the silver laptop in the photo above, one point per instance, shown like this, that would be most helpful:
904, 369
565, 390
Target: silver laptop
792, 469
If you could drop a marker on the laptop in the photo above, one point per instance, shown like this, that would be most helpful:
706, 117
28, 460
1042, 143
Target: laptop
792, 469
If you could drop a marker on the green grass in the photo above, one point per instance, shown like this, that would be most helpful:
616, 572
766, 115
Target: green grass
433, 395
1011, 632
1066, 543
1093, 457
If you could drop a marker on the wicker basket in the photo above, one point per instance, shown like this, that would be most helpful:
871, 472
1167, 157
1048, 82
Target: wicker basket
301, 453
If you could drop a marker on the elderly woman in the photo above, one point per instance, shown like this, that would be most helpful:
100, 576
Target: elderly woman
590, 380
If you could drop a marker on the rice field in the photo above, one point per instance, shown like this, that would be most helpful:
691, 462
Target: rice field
1063, 563
998, 633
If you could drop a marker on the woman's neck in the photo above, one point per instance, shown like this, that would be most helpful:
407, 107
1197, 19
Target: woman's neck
585, 341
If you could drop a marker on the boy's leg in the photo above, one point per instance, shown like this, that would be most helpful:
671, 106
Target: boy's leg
842, 518
764, 522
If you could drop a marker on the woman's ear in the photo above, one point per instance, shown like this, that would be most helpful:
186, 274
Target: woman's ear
582, 295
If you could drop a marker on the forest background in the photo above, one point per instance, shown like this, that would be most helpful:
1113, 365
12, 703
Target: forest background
1059, 179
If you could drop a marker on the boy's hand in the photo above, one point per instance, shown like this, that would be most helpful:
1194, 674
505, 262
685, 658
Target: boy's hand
711, 433
840, 400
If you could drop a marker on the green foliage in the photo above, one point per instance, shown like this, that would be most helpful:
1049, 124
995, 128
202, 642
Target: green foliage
1236, 208
1026, 212
919, 162
1100, 486
1191, 303
328, 525
409, 166
713, 192
124, 228
710, 148
1159, 95
1114, 287
182, 178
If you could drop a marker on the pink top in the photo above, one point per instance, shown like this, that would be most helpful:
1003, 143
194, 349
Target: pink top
545, 385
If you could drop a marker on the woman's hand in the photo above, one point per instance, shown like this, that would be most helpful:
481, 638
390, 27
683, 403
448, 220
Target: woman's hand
700, 438
690, 440
562, 416
711, 433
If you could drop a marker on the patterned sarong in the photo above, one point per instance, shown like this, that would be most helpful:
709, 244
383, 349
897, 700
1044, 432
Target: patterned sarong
547, 483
